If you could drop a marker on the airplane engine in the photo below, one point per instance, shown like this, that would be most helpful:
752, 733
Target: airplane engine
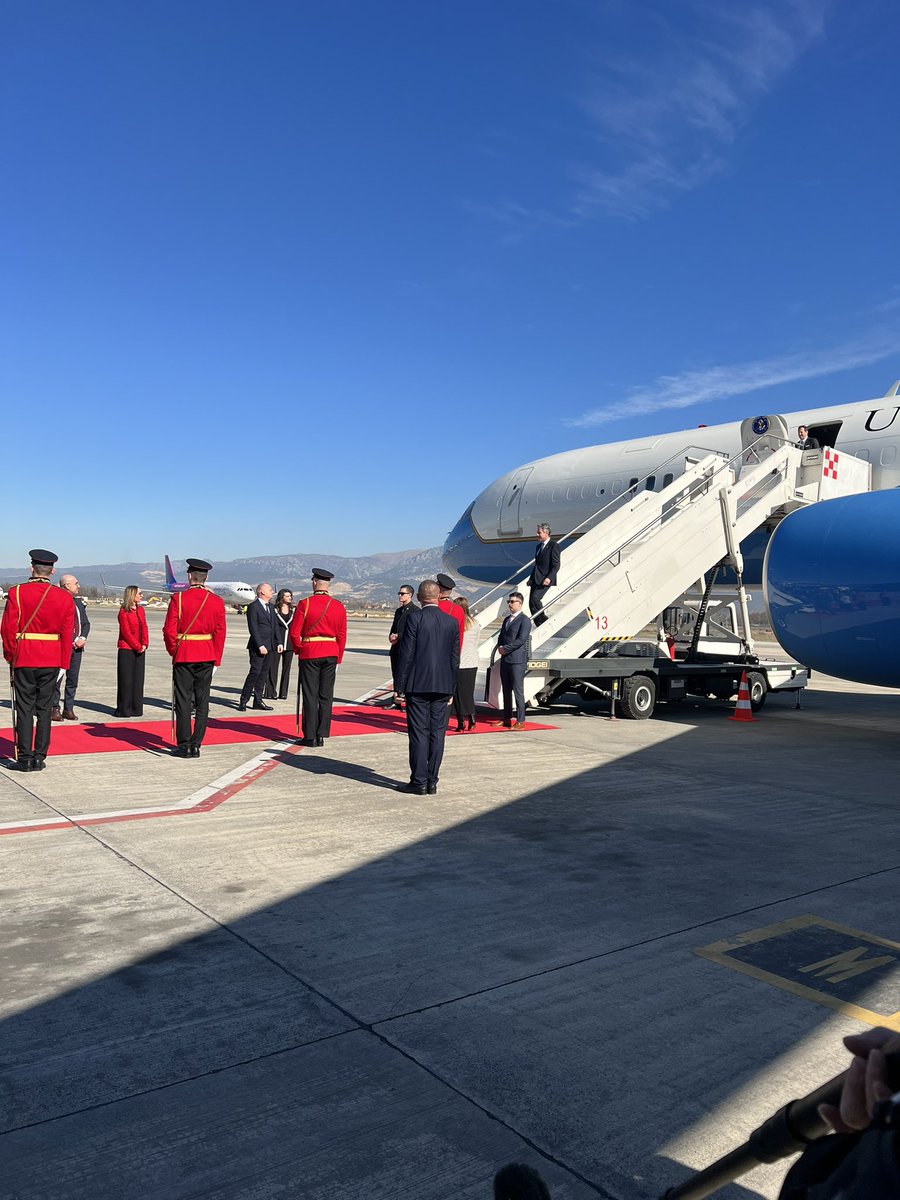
832, 584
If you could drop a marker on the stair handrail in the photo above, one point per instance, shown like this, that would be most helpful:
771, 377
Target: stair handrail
516, 576
701, 485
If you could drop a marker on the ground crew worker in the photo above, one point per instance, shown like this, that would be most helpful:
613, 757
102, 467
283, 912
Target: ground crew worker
194, 633
37, 631
318, 635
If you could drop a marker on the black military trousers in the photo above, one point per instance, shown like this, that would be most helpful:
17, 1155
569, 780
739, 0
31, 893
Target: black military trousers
191, 682
34, 697
317, 677
71, 681
426, 726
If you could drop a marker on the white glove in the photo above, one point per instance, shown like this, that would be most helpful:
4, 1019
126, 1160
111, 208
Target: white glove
62, 674
215, 668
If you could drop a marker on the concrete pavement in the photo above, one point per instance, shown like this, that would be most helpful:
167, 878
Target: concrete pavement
325, 988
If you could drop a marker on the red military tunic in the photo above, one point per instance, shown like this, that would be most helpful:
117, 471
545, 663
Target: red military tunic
458, 615
319, 627
194, 628
38, 636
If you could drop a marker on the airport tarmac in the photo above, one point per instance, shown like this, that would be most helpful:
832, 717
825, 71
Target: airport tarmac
607, 949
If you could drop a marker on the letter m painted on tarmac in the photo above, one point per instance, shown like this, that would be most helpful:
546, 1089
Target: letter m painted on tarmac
844, 966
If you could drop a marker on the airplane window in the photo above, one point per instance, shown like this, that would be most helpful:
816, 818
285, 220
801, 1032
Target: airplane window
617, 487
570, 493
631, 485
864, 455
586, 491
540, 496
600, 490
554, 495
651, 482
888, 454
667, 478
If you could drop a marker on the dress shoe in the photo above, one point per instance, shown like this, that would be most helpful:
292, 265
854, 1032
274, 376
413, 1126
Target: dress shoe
507, 724
69, 714
265, 707
55, 714
308, 742
471, 726
431, 789
412, 789
24, 763
181, 752
193, 751
518, 725
242, 708
320, 742
37, 764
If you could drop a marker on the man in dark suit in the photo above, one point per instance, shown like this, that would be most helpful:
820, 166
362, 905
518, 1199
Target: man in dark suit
804, 441
262, 642
405, 595
426, 675
82, 628
512, 646
543, 575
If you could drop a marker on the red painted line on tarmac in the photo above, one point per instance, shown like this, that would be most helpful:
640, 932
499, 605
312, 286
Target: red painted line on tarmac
204, 806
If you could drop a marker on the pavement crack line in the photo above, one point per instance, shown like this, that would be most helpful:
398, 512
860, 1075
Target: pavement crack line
358, 1023
373, 1028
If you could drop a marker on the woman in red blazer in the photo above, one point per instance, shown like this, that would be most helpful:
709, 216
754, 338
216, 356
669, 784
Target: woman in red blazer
133, 642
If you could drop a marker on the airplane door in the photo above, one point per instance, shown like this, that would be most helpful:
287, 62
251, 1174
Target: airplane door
510, 518
760, 436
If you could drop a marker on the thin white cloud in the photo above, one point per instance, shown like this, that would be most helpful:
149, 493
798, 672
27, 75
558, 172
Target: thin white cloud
718, 383
665, 122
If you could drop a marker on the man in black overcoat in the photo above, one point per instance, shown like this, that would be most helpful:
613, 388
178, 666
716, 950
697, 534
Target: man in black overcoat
426, 676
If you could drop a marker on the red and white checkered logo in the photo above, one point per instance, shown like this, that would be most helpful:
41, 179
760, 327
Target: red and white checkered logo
830, 467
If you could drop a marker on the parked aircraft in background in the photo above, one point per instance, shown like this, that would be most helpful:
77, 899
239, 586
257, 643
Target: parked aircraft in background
493, 539
232, 591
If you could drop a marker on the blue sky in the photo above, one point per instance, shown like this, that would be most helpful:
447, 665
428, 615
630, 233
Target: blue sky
294, 277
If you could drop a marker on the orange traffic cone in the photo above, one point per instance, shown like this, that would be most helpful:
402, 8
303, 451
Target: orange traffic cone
742, 710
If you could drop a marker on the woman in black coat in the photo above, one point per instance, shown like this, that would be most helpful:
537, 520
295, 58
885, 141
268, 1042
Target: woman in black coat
284, 610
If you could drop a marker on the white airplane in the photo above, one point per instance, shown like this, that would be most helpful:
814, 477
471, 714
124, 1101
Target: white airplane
231, 591
495, 535
830, 572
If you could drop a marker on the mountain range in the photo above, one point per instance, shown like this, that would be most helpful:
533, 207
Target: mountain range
372, 579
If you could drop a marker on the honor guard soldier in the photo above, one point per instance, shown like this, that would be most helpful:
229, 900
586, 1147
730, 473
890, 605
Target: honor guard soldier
445, 604
37, 631
318, 635
194, 633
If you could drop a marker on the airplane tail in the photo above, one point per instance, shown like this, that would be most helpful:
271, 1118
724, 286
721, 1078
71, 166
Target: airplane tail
171, 581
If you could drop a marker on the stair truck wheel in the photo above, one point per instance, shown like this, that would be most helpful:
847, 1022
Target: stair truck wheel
638, 697
756, 682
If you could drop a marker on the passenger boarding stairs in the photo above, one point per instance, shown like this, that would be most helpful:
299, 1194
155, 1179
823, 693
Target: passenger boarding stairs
631, 560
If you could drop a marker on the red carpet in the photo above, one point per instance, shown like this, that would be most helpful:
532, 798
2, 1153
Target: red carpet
350, 721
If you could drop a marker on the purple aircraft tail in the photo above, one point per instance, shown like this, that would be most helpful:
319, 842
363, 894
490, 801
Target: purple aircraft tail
171, 581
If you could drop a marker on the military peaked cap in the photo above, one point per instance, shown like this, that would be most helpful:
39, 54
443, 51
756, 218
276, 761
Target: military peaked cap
44, 558
198, 564
321, 573
445, 582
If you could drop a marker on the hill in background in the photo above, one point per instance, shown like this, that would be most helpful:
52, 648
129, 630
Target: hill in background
373, 579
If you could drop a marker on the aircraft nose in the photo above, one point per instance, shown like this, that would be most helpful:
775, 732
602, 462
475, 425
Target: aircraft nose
459, 547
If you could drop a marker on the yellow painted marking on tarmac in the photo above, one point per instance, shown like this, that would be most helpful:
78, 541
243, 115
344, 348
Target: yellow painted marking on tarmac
845, 963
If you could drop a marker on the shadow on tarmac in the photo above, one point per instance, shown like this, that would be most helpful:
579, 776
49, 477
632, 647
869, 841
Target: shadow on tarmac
533, 962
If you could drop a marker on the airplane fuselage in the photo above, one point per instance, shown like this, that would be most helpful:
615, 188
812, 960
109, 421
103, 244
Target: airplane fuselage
231, 592
496, 533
